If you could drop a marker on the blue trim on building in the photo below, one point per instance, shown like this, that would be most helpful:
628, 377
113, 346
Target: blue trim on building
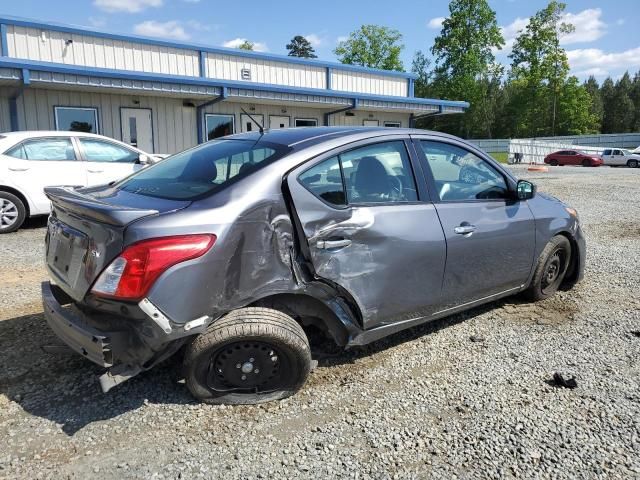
329, 83
4, 52
26, 77
210, 82
200, 110
24, 22
327, 115
411, 86
203, 63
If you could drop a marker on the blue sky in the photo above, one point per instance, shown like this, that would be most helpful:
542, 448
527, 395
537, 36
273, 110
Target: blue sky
606, 41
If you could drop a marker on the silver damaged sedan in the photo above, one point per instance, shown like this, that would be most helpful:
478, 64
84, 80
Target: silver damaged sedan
232, 251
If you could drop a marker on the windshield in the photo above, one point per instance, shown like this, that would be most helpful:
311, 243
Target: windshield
202, 170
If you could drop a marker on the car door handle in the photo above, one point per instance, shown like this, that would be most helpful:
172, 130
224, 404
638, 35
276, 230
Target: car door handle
18, 169
95, 171
465, 229
329, 244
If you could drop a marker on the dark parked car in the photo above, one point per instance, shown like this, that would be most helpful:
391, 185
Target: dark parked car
573, 157
236, 248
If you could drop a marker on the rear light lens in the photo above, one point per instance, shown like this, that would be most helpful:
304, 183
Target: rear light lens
131, 275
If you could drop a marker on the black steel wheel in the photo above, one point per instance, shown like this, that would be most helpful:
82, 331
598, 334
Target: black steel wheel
553, 163
632, 164
251, 355
551, 269
586, 163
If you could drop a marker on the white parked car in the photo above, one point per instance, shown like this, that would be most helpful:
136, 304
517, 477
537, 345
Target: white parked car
617, 157
31, 161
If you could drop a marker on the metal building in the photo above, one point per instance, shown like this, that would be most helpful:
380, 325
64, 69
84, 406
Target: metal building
165, 96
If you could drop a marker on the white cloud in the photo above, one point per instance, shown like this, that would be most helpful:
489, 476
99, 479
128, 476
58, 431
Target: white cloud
129, 6
590, 59
236, 42
171, 29
342, 38
191, 1
435, 23
588, 26
314, 39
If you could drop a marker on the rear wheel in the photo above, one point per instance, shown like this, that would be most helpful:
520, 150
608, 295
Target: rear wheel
252, 355
586, 163
632, 164
551, 269
553, 163
12, 212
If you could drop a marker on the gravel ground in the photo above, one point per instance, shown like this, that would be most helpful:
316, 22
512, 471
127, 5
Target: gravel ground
430, 402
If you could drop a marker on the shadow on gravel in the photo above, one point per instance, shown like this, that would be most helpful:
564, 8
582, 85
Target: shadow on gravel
64, 387
34, 222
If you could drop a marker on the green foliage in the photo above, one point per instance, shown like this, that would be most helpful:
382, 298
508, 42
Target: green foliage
246, 45
466, 67
372, 46
421, 67
301, 47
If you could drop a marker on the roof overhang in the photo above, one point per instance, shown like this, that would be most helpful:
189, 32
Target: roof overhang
61, 76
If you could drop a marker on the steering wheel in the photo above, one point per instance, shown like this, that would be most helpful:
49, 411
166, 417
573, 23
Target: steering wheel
398, 188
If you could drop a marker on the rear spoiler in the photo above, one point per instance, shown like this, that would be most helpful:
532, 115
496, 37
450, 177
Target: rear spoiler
70, 200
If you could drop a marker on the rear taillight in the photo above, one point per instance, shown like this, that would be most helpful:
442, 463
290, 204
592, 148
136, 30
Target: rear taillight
131, 275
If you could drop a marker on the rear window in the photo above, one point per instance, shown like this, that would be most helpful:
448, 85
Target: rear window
202, 170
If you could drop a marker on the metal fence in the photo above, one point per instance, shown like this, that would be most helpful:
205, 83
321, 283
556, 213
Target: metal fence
535, 149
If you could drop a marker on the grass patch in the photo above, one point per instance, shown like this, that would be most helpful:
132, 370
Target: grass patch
500, 156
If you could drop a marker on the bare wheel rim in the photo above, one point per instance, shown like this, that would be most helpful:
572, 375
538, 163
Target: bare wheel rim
554, 271
248, 366
8, 213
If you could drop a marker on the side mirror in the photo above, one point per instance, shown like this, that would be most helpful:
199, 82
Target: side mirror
146, 159
525, 190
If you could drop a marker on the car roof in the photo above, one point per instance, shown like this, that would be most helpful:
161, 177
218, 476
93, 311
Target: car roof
47, 133
308, 136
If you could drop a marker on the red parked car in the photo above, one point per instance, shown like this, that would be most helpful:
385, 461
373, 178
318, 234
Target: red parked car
573, 157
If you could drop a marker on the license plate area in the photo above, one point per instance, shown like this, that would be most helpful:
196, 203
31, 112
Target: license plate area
66, 252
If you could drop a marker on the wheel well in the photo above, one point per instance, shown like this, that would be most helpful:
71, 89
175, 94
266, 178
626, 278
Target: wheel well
22, 198
573, 269
308, 311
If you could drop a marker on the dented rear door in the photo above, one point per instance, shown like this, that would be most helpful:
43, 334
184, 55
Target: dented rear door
386, 251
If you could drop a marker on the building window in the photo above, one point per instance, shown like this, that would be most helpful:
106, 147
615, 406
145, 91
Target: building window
392, 124
76, 119
306, 122
370, 123
219, 125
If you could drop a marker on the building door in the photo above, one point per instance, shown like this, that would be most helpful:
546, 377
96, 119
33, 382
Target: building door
279, 121
249, 125
137, 128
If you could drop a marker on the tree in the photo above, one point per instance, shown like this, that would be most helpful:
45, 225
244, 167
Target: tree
608, 93
421, 67
465, 63
372, 46
597, 107
540, 66
575, 115
301, 47
635, 98
246, 45
624, 110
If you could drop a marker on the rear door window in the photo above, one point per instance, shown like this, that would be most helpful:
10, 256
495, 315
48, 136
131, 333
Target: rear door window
44, 149
202, 170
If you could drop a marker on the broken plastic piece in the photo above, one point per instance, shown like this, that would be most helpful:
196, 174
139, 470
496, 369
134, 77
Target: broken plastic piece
560, 381
117, 375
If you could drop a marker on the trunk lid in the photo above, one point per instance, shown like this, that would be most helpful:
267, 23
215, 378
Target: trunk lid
86, 231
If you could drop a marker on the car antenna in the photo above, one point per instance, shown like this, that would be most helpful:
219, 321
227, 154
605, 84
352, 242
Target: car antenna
254, 121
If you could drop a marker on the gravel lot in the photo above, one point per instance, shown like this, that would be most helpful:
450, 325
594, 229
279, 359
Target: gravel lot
430, 402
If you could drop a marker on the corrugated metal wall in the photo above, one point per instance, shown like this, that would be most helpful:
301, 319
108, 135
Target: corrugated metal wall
349, 81
229, 67
174, 126
50, 46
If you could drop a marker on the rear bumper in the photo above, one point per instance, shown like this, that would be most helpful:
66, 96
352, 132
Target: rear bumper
73, 329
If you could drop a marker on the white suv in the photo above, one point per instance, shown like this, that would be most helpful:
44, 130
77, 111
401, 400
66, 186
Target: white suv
31, 161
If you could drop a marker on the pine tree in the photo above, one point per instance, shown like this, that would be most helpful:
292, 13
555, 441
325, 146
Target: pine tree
299, 46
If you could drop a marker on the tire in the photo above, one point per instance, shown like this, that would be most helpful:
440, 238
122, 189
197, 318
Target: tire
553, 163
219, 362
12, 212
632, 164
543, 285
586, 163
